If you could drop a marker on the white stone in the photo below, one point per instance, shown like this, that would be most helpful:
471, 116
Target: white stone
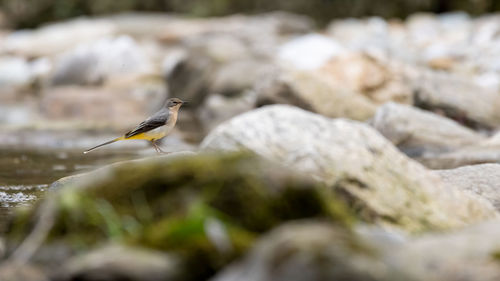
309, 51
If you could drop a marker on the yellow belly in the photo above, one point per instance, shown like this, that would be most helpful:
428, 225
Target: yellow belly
154, 134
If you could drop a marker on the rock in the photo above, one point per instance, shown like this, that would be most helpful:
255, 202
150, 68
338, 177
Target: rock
115, 262
15, 272
319, 251
308, 251
461, 157
360, 72
372, 35
218, 64
380, 81
458, 98
451, 255
18, 73
483, 180
417, 132
356, 161
218, 108
330, 99
199, 208
228, 56
486, 151
234, 77
315, 92
278, 89
14, 71
120, 105
56, 38
17, 115
309, 52
349, 85
92, 63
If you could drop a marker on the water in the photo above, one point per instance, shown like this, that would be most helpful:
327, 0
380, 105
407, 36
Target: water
25, 175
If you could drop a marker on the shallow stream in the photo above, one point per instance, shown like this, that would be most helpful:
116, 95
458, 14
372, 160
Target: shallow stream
25, 175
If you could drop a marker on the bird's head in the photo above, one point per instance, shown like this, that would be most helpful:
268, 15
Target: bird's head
174, 103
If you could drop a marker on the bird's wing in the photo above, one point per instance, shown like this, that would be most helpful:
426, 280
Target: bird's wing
158, 119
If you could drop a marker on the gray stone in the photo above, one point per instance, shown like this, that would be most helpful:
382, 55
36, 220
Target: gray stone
483, 180
458, 98
469, 254
313, 91
310, 51
14, 71
486, 151
356, 161
229, 55
218, 108
417, 132
308, 251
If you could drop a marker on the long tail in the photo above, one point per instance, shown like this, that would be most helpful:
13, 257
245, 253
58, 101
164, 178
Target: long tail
102, 144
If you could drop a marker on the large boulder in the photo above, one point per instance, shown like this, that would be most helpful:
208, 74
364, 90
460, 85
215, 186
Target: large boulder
417, 132
356, 161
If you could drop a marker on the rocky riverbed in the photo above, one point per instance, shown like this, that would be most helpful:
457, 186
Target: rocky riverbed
363, 150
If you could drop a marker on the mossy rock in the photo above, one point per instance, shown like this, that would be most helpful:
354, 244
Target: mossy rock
169, 202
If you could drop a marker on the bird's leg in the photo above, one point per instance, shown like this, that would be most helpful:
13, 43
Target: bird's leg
155, 146
159, 148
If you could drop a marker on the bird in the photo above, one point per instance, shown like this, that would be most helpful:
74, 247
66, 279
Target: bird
153, 128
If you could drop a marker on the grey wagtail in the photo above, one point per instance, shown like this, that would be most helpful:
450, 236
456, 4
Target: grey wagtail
154, 128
